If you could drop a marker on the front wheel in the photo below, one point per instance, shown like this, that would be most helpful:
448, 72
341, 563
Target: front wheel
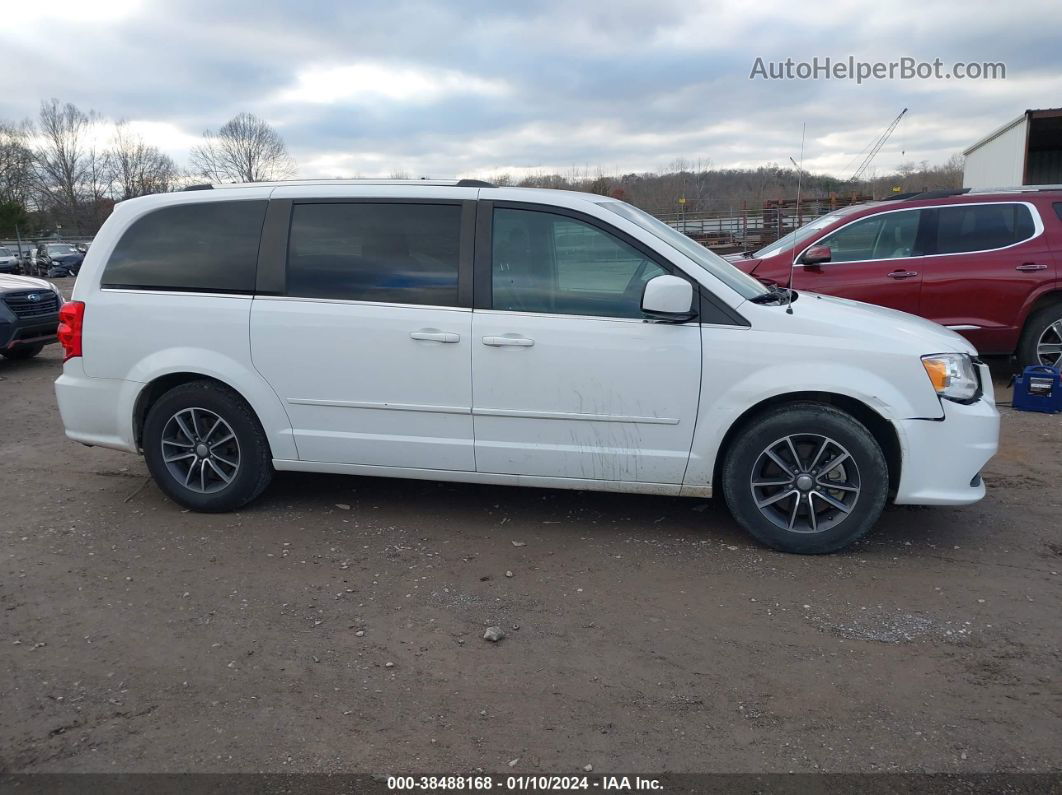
205, 448
806, 478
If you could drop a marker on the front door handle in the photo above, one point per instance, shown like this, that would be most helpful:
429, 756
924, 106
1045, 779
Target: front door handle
498, 342
435, 336
902, 274
1031, 266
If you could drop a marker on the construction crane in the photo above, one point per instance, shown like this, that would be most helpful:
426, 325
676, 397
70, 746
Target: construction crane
876, 147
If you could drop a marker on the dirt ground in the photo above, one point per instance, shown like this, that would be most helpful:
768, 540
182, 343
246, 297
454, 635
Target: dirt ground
336, 625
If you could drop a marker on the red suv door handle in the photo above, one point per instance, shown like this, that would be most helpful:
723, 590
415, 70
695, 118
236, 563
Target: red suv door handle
902, 274
1031, 266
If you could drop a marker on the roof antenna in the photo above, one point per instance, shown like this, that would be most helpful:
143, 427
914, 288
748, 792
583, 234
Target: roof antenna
796, 241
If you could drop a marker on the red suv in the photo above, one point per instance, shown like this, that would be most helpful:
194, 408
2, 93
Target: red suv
988, 265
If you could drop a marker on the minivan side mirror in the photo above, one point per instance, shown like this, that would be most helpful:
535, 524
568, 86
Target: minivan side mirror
816, 255
668, 298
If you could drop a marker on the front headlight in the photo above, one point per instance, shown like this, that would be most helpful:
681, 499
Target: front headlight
953, 375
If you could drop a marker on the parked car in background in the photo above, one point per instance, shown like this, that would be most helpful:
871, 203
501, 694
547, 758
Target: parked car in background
29, 316
28, 259
462, 332
9, 261
985, 264
58, 260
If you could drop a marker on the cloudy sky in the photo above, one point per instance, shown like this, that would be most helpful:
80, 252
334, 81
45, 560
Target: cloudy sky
478, 88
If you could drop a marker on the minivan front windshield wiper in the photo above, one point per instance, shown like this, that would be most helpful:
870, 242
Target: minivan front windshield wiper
778, 296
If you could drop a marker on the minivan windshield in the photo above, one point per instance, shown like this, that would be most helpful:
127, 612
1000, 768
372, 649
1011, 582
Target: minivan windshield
61, 248
799, 235
740, 282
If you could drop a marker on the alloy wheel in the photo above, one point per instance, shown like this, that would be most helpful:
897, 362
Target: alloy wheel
1049, 346
805, 483
200, 450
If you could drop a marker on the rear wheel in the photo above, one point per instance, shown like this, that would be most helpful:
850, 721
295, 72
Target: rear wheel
1041, 341
205, 448
806, 478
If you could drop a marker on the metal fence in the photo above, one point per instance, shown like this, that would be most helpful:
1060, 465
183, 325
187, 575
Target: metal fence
729, 231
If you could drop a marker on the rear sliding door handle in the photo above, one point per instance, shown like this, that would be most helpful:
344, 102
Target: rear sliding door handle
902, 274
435, 336
498, 342
1031, 266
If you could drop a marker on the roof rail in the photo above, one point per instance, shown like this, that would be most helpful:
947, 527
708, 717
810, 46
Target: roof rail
455, 183
1016, 189
937, 194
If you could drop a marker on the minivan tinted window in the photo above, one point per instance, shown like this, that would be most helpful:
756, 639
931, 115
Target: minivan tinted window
391, 253
543, 262
982, 227
202, 247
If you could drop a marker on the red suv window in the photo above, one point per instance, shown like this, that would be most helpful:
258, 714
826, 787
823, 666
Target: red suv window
982, 227
890, 235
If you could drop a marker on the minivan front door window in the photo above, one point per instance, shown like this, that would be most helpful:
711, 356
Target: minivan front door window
543, 262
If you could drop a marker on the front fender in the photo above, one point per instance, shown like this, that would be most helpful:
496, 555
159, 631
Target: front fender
730, 390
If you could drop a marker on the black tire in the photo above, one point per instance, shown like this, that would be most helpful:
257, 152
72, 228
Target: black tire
254, 467
1038, 323
22, 352
865, 479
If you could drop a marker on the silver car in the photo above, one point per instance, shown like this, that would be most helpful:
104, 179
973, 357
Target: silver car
9, 261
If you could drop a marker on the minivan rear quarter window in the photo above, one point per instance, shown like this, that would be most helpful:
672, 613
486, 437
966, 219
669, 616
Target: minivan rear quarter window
388, 253
202, 247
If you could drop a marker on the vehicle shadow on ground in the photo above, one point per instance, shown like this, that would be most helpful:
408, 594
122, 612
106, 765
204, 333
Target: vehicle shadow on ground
520, 511
416, 503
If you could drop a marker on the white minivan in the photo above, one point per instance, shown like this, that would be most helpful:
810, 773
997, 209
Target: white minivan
460, 331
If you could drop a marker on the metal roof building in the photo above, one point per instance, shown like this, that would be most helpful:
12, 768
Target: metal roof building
1025, 151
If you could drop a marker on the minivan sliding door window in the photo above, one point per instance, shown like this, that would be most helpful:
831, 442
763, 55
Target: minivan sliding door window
387, 253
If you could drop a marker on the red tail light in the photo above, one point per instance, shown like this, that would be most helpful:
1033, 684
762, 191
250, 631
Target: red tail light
71, 317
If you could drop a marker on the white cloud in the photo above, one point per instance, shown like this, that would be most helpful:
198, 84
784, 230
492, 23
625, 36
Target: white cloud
367, 81
18, 14
432, 89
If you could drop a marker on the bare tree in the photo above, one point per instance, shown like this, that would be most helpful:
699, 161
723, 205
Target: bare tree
16, 164
138, 168
62, 160
99, 175
245, 149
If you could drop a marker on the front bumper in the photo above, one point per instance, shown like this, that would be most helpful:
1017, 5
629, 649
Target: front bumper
942, 459
20, 333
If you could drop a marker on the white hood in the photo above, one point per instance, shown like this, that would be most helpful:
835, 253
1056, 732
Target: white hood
901, 329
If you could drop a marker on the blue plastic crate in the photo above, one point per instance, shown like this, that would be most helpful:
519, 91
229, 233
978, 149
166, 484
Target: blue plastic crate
1038, 388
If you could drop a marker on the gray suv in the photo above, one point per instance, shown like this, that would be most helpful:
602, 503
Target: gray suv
29, 315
